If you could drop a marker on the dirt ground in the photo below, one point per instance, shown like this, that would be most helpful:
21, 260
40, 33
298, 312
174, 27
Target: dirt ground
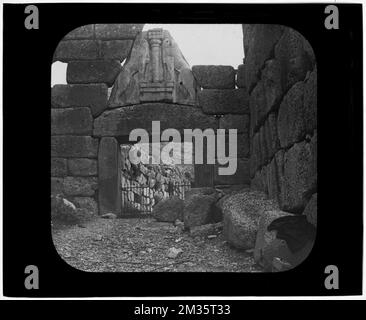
143, 244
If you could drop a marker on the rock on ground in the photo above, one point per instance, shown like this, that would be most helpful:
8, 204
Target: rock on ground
168, 210
200, 207
241, 213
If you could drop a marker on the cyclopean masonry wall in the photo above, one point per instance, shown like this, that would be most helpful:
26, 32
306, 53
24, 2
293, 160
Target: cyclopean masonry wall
94, 54
280, 75
155, 83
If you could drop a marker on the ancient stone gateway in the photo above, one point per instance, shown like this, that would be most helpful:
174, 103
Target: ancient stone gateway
155, 83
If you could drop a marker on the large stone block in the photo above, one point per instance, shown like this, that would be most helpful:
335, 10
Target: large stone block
311, 210
295, 56
117, 31
241, 122
199, 209
76, 121
257, 107
84, 32
109, 176
74, 146
115, 49
94, 96
82, 167
272, 181
121, 121
240, 80
76, 50
271, 136
267, 246
242, 212
80, 186
310, 102
214, 77
214, 101
266, 95
291, 122
263, 146
255, 155
241, 175
169, 209
58, 167
57, 185
259, 41
300, 176
94, 71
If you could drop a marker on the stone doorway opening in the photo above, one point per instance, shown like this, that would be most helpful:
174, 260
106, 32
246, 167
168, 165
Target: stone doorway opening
145, 184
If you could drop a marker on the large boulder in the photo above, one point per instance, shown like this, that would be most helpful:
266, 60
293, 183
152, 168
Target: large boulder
267, 246
168, 210
200, 207
241, 214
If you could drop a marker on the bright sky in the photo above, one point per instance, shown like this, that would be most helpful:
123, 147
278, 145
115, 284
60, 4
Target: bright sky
217, 44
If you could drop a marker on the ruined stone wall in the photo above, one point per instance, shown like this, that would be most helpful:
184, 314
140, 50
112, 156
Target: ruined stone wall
280, 75
94, 54
220, 95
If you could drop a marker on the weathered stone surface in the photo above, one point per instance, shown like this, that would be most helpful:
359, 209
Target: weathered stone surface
272, 181
215, 101
266, 95
74, 96
63, 210
156, 71
310, 102
259, 41
74, 146
76, 50
311, 210
117, 31
256, 182
109, 176
255, 155
267, 246
82, 167
86, 203
58, 167
169, 210
242, 212
199, 209
94, 96
243, 148
120, 122
290, 122
271, 135
235, 121
76, 121
263, 146
94, 71
115, 49
300, 176
57, 185
214, 77
240, 80
241, 176
83, 32
80, 186
295, 56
